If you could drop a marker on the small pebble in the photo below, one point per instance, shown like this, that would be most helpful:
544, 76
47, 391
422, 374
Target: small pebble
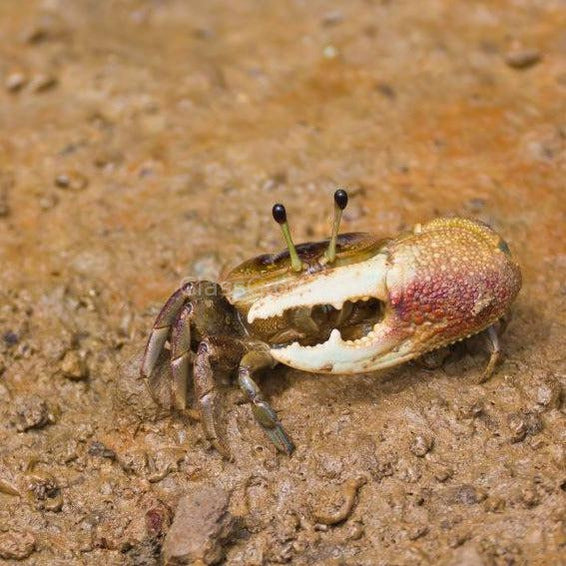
332, 18
99, 449
356, 531
530, 497
522, 424
467, 555
523, 58
494, 504
15, 82
46, 492
42, 82
71, 180
443, 473
386, 90
465, 494
157, 520
31, 412
421, 445
48, 201
73, 366
418, 531
200, 528
15, 545
549, 394
10, 338
330, 52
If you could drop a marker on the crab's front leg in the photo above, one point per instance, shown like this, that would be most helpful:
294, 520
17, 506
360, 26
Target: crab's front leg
265, 416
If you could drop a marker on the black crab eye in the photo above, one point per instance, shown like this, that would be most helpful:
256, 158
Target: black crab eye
504, 247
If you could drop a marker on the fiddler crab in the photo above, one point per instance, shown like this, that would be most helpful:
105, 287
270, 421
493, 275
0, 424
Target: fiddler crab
351, 304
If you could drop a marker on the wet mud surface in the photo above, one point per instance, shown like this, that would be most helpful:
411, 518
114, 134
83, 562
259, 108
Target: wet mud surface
144, 142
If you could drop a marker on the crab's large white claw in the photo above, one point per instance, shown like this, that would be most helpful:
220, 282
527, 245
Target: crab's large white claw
381, 348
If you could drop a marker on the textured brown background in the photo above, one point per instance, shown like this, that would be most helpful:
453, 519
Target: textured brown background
142, 142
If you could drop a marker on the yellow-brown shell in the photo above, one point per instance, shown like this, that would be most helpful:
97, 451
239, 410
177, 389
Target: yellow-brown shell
257, 276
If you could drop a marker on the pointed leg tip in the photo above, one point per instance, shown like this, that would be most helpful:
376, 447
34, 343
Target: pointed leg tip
281, 441
223, 450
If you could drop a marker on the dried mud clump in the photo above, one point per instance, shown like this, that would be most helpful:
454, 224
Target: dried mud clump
200, 528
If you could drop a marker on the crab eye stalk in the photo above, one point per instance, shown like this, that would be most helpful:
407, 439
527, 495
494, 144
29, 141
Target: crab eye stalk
280, 216
340, 203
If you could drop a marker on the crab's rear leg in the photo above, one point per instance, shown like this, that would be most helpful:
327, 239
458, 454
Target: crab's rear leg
160, 332
492, 337
266, 417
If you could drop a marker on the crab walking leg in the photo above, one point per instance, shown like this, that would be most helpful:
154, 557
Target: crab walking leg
161, 327
223, 355
265, 416
181, 356
492, 338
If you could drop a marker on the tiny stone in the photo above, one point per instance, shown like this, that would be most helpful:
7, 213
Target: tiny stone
200, 529
494, 504
42, 82
530, 497
157, 520
73, 366
16, 545
332, 18
71, 180
443, 474
386, 90
417, 532
467, 556
421, 445
523, 58
549, 394
31, 412
48, 201
517, 428
10, 338
99, 449
46, 492
356, 531
15, 82
533, 423
330, 52
464, 494
473, 409
522, 424
36, 34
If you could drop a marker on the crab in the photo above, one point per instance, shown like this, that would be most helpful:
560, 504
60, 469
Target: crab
352, 304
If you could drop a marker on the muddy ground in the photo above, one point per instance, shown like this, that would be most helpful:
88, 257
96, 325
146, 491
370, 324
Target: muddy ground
143, 142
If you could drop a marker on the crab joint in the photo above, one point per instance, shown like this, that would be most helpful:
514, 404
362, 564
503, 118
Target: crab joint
340, 203
280, 216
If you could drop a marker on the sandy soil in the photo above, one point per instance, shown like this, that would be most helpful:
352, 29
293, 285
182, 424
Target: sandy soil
143, 142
